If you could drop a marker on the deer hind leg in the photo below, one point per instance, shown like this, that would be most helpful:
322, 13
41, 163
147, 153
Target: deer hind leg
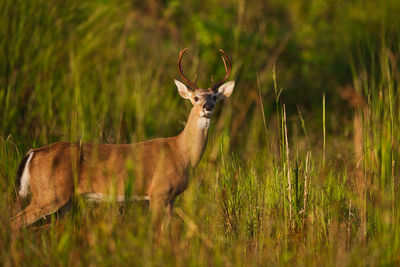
33, 212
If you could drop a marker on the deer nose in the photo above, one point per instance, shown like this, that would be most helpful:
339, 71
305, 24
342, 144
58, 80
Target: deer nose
208, 106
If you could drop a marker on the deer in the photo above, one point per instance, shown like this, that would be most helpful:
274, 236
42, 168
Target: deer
53, 174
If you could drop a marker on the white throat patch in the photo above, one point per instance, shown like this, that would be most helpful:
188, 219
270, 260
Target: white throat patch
203, 123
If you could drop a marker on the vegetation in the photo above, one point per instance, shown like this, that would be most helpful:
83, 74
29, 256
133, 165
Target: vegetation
302, 162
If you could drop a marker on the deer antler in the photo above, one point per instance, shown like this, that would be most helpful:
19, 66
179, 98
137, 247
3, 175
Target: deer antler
228, 69
188, 82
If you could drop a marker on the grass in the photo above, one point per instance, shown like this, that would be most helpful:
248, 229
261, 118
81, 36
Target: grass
74, 72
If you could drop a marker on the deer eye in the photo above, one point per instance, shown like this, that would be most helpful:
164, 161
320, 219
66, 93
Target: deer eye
196, 98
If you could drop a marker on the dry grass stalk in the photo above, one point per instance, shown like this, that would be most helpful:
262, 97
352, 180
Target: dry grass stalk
288, 166
305, 188
349, 227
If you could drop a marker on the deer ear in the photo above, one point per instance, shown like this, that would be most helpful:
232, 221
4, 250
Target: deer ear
225, 90
182, 89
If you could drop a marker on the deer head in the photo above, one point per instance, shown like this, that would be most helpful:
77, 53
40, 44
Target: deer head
204, 100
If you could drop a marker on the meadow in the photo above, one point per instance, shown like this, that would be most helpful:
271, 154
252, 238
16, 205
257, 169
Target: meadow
302, 162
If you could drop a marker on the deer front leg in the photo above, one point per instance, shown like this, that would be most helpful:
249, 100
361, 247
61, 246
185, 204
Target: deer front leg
170, 209
161, 206
157, 208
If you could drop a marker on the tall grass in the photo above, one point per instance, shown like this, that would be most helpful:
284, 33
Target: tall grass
272, 187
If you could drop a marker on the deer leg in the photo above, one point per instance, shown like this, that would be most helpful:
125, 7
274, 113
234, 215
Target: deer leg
170, 211
160, 206
33, 213
157, 207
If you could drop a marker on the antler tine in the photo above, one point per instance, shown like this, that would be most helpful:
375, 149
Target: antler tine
223, 59
228, 69
188, 82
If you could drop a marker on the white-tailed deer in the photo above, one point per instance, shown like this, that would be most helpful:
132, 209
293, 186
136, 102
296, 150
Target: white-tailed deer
156, 170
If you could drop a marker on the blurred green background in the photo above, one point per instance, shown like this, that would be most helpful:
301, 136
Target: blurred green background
102, 72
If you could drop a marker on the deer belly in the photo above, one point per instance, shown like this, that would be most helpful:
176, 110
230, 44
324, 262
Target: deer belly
99, 197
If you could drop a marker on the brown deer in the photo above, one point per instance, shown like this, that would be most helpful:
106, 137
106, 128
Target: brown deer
157, 169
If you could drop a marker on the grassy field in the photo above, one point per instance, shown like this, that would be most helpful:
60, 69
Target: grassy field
302, 161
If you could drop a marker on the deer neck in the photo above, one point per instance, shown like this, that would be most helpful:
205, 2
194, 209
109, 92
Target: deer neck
192, 140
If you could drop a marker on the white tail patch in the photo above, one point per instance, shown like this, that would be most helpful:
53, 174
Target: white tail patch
96, 197
25, 178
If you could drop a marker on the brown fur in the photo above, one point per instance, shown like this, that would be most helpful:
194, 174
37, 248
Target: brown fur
159, 167
160, 170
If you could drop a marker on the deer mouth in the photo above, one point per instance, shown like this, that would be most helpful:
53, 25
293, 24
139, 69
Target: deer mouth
206, 114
